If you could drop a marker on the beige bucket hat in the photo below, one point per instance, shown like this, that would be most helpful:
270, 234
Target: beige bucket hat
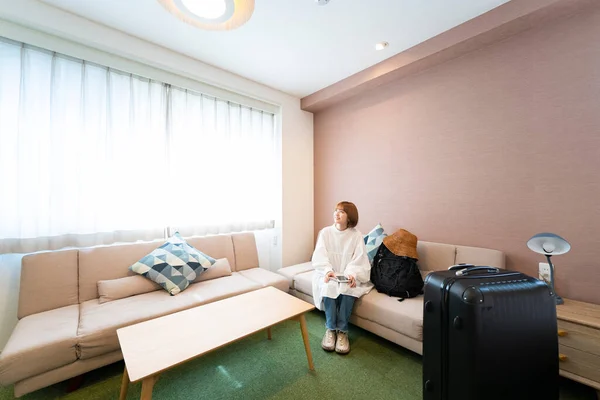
402, 243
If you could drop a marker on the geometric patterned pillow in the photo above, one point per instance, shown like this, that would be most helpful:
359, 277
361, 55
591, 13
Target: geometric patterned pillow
174, 265
373, 240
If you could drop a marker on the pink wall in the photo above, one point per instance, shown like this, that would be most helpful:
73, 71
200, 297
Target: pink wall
485, 150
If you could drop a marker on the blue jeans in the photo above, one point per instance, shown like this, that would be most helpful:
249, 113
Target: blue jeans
337, 312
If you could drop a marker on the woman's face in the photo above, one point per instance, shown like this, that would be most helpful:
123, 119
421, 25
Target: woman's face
340, 217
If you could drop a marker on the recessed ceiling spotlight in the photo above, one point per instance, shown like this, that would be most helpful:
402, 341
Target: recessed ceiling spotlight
381, 45
211, 14
321, 2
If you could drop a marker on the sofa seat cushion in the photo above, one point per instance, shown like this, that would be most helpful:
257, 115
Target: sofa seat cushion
266, 278
39, 343
303, 282
293, 270
99, 322
222, 288
405, 317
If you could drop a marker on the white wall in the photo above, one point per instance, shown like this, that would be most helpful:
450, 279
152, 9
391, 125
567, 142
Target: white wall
38, 24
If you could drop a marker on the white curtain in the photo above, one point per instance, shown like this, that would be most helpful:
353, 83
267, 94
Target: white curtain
90, 155
224, 155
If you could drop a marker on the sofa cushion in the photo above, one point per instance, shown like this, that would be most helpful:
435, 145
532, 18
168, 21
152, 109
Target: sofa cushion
48, 281
219, 269
39, 343
246, 255
108, 262
120, 288
435, 256
424, 274
303, 282
373, 240
290, 272
222, 288
99, 322
216, 246
479, 256
266, 278
405, 317
173, 265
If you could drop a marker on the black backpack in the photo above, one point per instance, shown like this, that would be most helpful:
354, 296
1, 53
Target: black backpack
396, 276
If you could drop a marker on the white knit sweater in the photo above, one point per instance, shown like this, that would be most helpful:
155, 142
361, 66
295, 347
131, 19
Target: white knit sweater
340, 252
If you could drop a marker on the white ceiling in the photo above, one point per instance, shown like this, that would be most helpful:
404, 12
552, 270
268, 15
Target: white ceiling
295, 46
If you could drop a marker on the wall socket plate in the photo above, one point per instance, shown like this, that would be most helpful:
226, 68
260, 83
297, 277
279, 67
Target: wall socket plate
544, 272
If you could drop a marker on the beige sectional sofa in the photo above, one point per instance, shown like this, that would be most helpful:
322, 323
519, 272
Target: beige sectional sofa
66, 327
399, 322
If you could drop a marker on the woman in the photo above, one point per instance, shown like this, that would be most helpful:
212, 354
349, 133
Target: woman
340, 250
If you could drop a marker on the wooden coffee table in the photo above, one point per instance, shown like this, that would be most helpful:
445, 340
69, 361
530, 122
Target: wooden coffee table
202, 329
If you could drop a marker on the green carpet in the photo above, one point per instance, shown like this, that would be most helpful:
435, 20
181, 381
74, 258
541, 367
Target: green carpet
256, 368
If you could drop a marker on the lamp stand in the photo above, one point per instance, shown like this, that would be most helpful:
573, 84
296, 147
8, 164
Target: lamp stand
559, 299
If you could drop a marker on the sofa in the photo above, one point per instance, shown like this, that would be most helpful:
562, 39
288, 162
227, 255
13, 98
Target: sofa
399, 322
71, 302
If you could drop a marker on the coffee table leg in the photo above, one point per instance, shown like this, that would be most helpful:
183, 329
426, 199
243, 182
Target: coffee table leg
124, 385
269, 333
147, 385
306, 344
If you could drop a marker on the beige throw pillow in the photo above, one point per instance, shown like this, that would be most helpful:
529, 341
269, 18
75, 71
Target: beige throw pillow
217, 270
115, 289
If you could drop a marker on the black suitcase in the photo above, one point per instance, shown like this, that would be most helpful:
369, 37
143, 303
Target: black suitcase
488, 334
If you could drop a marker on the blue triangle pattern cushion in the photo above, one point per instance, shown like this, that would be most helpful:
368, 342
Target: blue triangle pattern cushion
174, 265
373, 240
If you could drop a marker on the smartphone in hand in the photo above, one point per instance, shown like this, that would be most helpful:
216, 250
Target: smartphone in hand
341, 278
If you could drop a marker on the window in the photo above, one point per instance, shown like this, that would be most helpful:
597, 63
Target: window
90, 155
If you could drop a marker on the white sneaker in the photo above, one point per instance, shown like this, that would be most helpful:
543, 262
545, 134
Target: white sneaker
328, 343
342, 345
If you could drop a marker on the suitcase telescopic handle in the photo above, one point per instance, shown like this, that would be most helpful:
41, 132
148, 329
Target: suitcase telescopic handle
467, 271
460, 266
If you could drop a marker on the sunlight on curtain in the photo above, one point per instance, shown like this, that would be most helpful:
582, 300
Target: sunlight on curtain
224, 155
91, 155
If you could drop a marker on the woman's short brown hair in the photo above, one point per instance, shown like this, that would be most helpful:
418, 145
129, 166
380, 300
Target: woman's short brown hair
351, 211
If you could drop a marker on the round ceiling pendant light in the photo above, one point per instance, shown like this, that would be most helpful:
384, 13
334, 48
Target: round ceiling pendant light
217, 15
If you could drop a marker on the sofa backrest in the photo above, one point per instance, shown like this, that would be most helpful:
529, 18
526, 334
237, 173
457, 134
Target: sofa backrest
219, 246
439, 256
55, 279
246, 256
48, 281
108, 262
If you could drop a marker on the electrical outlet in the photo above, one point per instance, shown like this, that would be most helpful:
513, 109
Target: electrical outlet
544, 272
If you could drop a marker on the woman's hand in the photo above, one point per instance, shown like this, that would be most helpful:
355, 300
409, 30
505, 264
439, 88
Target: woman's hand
352, 280
330, 274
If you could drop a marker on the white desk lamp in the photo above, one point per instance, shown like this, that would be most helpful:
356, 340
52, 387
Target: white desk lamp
550, 245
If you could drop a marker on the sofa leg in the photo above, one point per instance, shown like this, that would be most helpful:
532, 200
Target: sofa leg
75, 383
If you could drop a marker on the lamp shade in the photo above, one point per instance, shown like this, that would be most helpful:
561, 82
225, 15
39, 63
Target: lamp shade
549, 244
